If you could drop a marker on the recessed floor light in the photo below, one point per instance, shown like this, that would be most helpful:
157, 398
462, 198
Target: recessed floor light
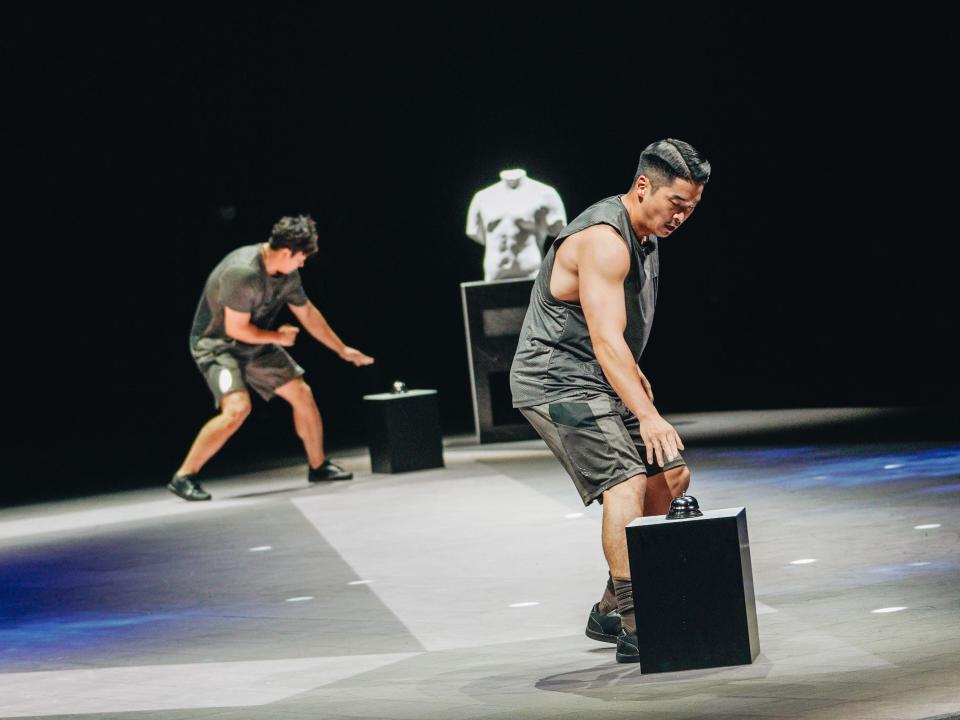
261, 548
300, 599
524, 604
919, 564
573, 516
893, 466
889, 609
359, 582
931, 526
803, 561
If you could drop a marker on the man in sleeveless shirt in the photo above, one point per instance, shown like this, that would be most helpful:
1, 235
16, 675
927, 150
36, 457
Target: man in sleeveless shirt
576, 374
235, 348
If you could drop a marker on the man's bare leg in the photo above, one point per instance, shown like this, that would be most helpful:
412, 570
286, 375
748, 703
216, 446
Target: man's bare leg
234, 409
306, 418
621, 504
663, 487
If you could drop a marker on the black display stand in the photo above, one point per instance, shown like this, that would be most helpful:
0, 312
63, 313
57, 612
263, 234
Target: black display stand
403, 431
493, 314
693, 591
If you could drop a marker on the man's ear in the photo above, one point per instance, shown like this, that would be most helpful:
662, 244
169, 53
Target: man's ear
641, 187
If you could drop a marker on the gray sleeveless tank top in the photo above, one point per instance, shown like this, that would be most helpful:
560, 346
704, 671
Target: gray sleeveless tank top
555, 358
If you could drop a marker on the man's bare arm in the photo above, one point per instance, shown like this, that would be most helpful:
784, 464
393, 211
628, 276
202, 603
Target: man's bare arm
646, 383
603, 262
238, 326
316, 324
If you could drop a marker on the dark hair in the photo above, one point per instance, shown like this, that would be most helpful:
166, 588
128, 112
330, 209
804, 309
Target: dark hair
664, 161
298, 234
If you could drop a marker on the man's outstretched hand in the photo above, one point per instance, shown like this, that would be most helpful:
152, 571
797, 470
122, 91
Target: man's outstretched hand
356, 357
659, 438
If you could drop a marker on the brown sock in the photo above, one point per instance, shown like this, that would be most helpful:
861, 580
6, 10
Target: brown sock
624, 590
609, 600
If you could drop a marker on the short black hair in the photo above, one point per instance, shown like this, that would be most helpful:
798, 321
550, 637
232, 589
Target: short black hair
298, 234
664, 161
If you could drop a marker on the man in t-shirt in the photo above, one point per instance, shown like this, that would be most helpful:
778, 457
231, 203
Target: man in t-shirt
235, 349
576, 374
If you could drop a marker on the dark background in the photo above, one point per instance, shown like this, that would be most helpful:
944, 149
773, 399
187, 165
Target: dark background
143, 145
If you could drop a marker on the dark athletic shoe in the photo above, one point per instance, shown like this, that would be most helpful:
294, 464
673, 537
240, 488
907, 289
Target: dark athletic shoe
603, 627
328, 471
628, 649
187, 488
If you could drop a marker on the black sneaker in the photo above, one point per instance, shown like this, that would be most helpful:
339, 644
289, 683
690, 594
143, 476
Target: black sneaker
328, 471
187, 488
628, 649
604, 627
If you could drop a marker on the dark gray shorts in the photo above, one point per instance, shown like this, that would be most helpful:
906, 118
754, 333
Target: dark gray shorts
264, 370
597, 440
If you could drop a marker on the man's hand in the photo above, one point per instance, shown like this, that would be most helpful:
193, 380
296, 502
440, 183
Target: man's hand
646, 383
659, 438
288, 335
356, 357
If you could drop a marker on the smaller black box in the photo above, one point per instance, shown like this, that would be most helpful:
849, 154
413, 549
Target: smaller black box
693, 591
403, 431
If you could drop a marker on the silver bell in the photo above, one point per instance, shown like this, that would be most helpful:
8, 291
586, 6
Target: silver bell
684, 506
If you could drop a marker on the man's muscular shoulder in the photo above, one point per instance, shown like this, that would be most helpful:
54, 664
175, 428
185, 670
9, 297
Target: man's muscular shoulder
593, 249
597, 245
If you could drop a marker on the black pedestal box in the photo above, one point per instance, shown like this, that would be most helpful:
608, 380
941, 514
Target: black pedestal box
693, 591
493, 315
403, 431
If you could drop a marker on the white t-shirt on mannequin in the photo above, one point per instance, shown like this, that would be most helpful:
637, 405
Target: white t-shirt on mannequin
511, 219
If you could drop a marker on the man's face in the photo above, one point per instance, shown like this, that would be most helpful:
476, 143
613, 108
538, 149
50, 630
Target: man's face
290, 261
670, 206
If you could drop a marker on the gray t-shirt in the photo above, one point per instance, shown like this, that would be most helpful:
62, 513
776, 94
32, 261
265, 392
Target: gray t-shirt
240, 282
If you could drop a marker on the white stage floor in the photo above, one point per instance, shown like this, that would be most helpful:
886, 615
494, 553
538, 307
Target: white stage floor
463, 592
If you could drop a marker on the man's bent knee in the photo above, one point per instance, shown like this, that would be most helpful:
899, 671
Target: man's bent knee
296, 392
630, 490
235, 407
678, 480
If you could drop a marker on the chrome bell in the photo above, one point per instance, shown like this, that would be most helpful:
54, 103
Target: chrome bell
685, 506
